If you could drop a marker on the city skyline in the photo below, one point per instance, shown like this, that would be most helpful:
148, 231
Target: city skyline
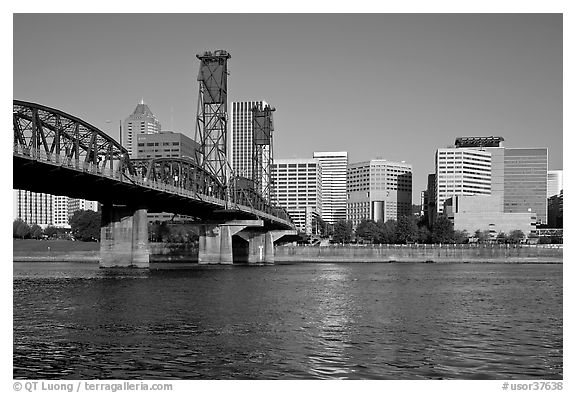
396, 86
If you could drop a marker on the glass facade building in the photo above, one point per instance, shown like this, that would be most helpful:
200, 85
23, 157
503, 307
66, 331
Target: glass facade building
526, 181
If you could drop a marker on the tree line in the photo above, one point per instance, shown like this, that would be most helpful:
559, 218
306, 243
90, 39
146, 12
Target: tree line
84, 226
410, 229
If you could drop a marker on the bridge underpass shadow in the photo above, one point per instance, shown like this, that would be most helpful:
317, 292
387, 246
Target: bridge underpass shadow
240, 250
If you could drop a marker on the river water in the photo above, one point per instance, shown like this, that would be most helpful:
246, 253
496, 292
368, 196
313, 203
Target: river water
291, 321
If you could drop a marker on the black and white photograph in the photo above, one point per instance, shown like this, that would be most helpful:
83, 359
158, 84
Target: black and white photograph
287, 196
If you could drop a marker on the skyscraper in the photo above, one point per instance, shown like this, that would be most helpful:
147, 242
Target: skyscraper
334, 173
379, 190
518, 176
241, 138
298, 189
462, 171
141, 121
525, 181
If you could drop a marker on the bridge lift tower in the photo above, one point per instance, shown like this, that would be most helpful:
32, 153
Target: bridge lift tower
262, 152
212, 113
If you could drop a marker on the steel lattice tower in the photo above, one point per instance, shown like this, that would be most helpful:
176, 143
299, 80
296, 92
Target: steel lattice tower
212, 114
262, 152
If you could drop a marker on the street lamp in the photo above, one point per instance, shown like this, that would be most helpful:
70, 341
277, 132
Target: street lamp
120, 127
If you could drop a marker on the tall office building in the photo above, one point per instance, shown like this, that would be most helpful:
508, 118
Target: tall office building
141, 121
431, 192
518, 181
379, 190
33, 208
241, 138
298, 188
525, 181
166, 144
334, 173
555, 182
46, 209
461, 171
60, 211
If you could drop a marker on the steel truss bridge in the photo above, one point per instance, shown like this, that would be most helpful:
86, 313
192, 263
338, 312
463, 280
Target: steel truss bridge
57, 153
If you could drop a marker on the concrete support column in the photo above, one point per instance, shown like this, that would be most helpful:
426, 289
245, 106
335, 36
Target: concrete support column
260, 247
209, 244
269, 248
226, 255
256, 248
215, 241
140, 247
124, 237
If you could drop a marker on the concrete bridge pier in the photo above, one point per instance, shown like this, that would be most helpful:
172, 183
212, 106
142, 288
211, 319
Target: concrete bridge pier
215, 241
260, 249
124, 237
261, 245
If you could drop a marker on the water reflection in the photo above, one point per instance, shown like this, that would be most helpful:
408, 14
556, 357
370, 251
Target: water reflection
333, 305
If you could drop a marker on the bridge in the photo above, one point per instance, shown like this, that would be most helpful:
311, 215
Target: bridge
57, 153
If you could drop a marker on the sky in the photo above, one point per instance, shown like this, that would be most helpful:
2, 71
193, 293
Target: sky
392, 86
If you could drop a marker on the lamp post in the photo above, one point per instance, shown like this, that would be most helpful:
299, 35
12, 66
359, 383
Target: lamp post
120, 128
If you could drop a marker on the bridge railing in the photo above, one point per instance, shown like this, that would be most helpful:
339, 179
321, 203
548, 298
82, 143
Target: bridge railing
256, 204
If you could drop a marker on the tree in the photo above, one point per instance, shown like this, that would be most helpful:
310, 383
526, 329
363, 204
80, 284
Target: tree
516, 236
36, 231
342, 231
544, 240
20, 229
367, 230
85, 225
442, 230
502, 238
482, 236
386, 232
51, 231
423, 234
406, 230
158, 231
556, 239
461, 236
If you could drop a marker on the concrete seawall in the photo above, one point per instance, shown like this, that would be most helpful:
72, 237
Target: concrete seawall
187, 253
56, 256
421, 253
159, 252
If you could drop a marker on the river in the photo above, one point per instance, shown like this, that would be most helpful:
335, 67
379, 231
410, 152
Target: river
289, 321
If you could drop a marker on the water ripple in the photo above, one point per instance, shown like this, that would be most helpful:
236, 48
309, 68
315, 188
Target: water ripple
299, 321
